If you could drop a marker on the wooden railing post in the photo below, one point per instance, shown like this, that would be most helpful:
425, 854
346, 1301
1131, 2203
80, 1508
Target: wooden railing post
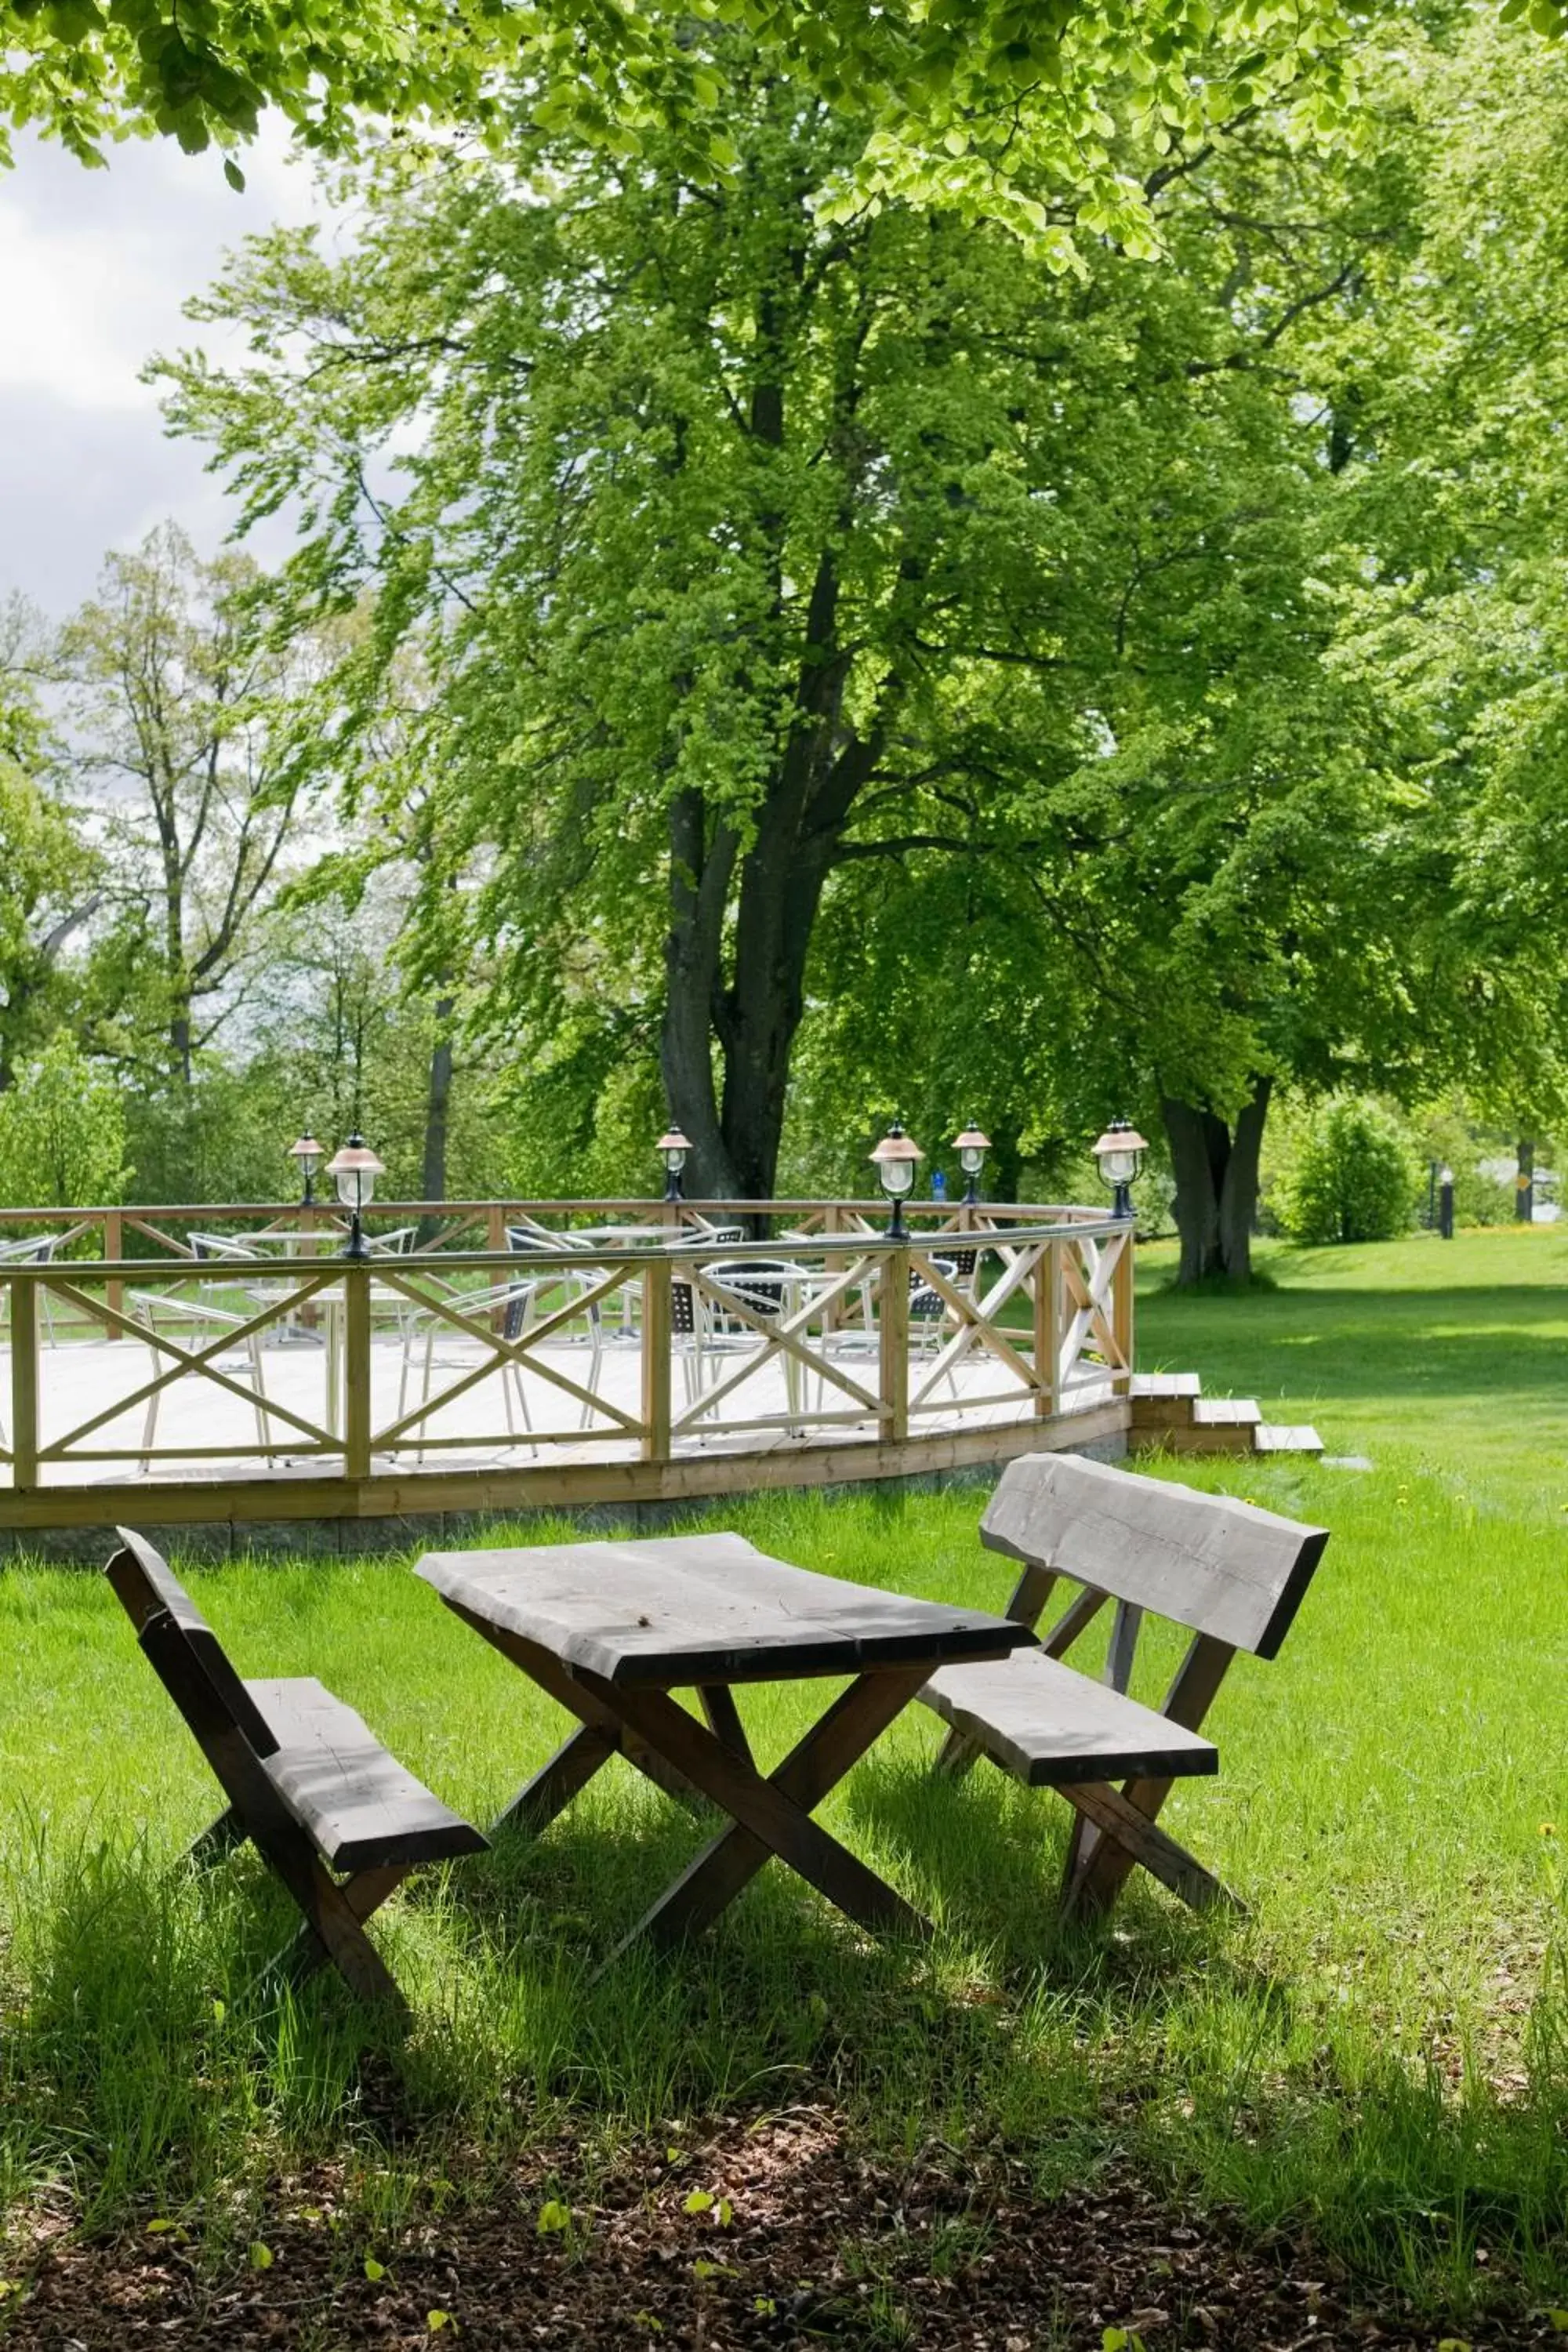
656, 1366
24, 1381
495, 1239
309, 1317
356, 1370
832, 1313
114, 1248
893, 1344
1121, 1295
1048, 1330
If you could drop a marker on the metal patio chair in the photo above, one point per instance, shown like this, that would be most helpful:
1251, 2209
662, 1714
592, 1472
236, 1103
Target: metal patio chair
194, 1324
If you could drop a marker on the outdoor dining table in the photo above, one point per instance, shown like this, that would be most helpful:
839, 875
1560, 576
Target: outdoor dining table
610, 1630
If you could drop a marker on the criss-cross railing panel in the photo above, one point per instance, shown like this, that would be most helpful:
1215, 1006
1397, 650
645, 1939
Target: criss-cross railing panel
1095, 1343
528, 1353
976, 1328
252, 1339
807, 1295
196, 1358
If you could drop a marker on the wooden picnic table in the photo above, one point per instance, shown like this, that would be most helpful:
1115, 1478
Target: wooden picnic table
610, 1630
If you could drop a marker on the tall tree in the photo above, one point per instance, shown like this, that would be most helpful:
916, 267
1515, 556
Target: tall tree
746, 539
1451, 614
48, 892
184, 737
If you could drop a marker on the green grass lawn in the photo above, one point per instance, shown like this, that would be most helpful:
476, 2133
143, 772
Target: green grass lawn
1378, 2055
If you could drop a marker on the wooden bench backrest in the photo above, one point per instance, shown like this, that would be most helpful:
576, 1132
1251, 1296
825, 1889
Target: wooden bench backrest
147, 1589
1224, 1567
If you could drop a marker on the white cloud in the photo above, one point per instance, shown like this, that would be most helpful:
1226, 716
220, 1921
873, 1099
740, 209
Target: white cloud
94, 269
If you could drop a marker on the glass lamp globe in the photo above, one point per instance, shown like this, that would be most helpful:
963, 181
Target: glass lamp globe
972, 1147
895, 1160
355, 1169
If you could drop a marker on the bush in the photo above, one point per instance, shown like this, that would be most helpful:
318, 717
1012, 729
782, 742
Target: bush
1480, 1199
62, 1133
1355, 1178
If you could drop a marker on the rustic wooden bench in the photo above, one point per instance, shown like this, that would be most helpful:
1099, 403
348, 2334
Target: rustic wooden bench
307, 1782
1232, 1574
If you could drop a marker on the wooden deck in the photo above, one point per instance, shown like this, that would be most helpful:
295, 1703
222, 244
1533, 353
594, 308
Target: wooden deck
657, 1367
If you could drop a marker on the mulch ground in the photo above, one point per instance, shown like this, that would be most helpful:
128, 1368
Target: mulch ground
764, 2235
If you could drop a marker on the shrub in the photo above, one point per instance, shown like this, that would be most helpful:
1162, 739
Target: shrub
62, 1133
1354, 1178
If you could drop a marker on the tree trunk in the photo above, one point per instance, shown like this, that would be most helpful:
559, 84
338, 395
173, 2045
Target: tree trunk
1525, 1184
1004, 1163
755, 1017
180, 1051
781, 889
699, 872
438, 1103
1216, 1185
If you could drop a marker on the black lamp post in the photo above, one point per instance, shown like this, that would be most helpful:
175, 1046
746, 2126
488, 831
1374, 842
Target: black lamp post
308, 1153
673, 1148
972, 1148
1119, 1152
1446, 1203
895, 1160
355, 1169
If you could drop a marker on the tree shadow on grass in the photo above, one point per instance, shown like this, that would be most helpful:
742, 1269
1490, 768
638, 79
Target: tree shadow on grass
984, 1857
137, 2063
1374, 1343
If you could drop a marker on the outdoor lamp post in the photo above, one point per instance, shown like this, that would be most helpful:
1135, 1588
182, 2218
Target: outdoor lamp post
894, 1159
673, 1148
972, 1148
1446, 1203
1119, 1152
308, 1153
355, 1169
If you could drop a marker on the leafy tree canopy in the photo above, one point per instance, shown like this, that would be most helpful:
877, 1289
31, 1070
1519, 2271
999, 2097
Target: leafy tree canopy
746, 548
1020, 110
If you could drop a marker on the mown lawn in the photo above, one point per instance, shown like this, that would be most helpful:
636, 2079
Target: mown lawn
1378, 2057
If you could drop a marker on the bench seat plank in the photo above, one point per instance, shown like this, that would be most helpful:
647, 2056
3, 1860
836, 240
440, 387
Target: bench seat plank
360, 1807
1048, 1724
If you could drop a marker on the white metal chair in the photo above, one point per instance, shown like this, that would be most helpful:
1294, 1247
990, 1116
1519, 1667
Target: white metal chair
399, 1242
515, 1303
35, 1249
689, 1336
523, 1240
196, 1323
766, 1288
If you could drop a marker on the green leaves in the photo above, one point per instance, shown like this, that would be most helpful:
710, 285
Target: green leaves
1017, 107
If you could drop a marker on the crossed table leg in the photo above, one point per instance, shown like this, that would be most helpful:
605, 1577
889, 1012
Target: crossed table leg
768, 1815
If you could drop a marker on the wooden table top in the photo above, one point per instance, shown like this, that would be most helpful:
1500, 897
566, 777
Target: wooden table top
673, 1611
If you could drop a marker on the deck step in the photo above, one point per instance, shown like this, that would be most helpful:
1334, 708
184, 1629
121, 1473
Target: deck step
1226, 1412
1170, 1410
1281, 1437
1212, 1425
1164, 1401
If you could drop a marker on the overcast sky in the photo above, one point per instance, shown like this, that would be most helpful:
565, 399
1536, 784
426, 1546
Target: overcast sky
94, 267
